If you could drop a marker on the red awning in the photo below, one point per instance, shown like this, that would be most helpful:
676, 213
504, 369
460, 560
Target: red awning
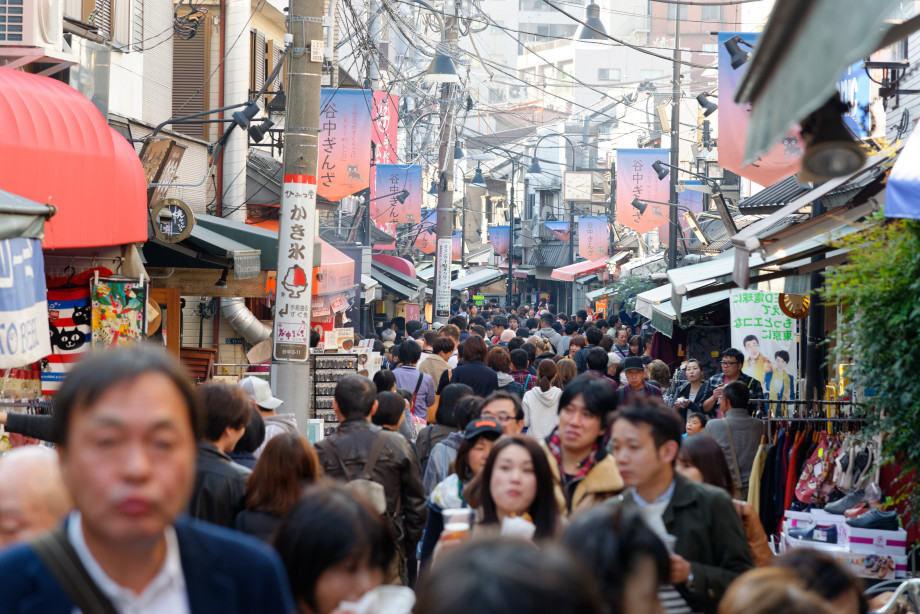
396, 263
56, 148
337, 271
570, 272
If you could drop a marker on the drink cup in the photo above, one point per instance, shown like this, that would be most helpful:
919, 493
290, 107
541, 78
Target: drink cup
456, 524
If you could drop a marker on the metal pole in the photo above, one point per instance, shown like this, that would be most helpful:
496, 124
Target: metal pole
674, 221
445, 221
572, 229
463, 231
511, 240
814, 361
290, 371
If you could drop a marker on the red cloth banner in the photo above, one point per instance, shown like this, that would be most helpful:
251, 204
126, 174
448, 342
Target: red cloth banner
593, 237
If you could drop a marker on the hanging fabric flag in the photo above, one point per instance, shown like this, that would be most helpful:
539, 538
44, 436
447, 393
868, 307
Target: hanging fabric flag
23, 304
499, 236
391, 181
593, 237
119, 309
559, 230
636, 179
344, 166
691, 199
426, 239
457, 246
783, 160
385, 121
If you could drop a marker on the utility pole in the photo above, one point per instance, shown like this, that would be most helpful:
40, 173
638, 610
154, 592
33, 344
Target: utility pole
674, 221
445, 222
511, 240
290, 371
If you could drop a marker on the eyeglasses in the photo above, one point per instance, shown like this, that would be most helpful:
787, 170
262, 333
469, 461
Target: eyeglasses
500, 418
728, 363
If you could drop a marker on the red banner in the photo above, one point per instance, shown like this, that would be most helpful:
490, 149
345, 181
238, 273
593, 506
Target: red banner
344, 143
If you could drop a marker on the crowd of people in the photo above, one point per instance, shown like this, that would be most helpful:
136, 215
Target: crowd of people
592, 480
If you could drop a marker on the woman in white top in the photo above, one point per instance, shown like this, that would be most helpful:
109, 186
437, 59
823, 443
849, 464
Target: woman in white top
541, 402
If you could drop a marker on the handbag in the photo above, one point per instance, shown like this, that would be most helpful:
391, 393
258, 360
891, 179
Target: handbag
60, 558
363, 484
433, 410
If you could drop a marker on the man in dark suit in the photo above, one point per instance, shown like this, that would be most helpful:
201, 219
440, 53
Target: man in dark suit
126, 423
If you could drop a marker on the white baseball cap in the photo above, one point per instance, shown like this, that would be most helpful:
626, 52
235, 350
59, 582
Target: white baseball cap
436, 325
260, 391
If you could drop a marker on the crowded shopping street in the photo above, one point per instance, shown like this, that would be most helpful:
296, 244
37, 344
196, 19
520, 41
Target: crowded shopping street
459, 306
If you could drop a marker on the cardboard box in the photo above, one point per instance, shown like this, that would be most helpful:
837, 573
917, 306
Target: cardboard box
796, 519
825, 519
874, 541
875, 566
795, 542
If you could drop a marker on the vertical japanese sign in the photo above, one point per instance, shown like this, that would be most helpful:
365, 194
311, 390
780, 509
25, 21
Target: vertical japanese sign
855, 88
499, 236
344, 143
767, 338
291, 334
24, 337
391, 180
690, 199
637, 179
783, 160
426, 239
385, 118
456, 252
559, 230
593, 237
442, 278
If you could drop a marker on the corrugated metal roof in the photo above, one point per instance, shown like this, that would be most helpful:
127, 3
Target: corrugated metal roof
780, 194
553, 255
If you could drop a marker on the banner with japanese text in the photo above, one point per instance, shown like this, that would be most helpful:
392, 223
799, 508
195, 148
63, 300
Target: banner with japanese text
385, 119
783, 160
391, 181
767, 338
344, 143
426, 239
24, 330
637, 179
593, 237
691, 199
291, 333
559, 230
499, 237
457, 246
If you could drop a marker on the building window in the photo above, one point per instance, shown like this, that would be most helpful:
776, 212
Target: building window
648, 75
710, 48
672, 11
495, 95
712, 13
608, 74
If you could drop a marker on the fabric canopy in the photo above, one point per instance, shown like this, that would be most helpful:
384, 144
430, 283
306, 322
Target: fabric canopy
57, 149
570, 272
478, 278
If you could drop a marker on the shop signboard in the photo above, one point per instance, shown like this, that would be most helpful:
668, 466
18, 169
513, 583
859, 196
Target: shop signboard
442, 278
782, 160
391, 180
479, 299
344, 166
637, 179
412, 312
593, 237
767, 338
24, 337
291, 334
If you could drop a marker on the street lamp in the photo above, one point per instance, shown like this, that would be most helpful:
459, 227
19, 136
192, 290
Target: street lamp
441, 70
738, 57
592, 28
478, 180
718, 198
709, 107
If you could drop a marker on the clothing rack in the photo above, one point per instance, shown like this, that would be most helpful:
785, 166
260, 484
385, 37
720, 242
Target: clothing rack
37, 406
813, 419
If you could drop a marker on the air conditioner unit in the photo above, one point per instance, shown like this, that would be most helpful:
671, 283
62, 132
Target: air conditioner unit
32, 23
515, 92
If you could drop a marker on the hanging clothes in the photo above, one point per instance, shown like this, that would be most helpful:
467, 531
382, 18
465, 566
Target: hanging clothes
756, 476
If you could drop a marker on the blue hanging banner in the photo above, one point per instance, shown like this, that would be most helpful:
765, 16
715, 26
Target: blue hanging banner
24, 335
902, 194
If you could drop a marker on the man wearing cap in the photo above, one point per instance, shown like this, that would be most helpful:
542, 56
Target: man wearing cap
260, 392
636, 386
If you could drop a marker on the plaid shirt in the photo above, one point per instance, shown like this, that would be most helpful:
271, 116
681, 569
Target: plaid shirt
554, 443
521, 375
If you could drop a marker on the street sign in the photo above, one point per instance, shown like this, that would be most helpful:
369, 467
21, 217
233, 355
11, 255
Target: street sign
442, 277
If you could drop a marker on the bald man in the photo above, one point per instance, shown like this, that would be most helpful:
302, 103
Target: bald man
33, 498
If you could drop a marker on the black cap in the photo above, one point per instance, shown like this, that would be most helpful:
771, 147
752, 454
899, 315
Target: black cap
633, 363
483, 426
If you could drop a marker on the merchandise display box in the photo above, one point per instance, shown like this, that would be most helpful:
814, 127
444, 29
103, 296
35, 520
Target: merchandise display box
861, 564
873, 541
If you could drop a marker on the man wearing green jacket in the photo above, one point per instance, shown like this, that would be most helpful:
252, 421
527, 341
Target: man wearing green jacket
697, 521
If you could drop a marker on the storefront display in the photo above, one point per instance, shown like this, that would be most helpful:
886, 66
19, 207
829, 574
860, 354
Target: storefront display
328, 370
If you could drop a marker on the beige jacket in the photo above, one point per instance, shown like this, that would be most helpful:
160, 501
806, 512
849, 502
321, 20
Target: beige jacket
601, 483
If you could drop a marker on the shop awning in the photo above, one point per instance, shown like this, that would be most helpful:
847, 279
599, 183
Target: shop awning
427, 274
570, 272
902, 199
805, 47
644, 266
478, 278
648, 299
247, 261
664, 316
56, 148
261, 239
207, 248
22, 218
335, 273
599, 294
396, 282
